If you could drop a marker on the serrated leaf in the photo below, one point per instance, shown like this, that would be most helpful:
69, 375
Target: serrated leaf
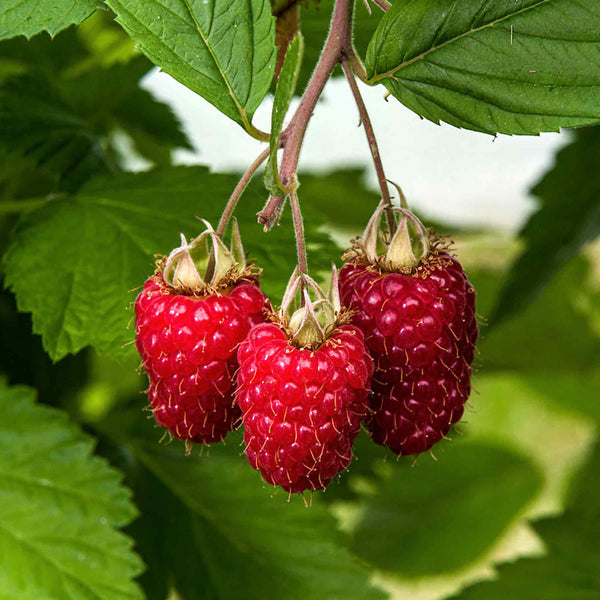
424, 510
38, 121
111, 98
152, 126
44, 53
224, 51
567, 219
569, 570
75, 262
59, 507
213, 517
286, 85
489, 65
29, 17
97, 41
65, 124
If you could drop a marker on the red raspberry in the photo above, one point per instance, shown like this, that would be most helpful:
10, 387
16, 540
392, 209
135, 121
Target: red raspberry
188, 345
421, 330
302, 408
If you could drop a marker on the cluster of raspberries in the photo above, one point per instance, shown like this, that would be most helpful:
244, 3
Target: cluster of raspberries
401, 365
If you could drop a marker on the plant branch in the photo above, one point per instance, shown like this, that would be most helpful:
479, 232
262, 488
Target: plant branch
370, 133
239, 190
340, 27
299, 231
291, 139
271, 212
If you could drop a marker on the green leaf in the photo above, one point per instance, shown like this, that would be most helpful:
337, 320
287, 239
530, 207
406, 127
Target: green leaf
98, 41
224, 51
43, 53
74, 262
105, 39
20, 177
489, 65
59, 510
65, 124
577, 392
569, 570
23, 360
286, 85
111, 98
37, 120
552, 334
473, 487
152, 126
104, 88
568, 218
28, 17
220, 533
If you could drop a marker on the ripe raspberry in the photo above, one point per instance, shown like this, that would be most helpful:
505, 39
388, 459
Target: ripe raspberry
188, 342
302, 408
302, 403
419, 324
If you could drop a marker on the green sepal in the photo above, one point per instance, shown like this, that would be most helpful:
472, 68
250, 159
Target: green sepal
204, 262
405, 249
400, 251
308, 319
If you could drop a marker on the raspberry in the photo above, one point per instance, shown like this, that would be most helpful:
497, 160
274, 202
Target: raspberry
302, 408
420, 326
188, 347
187, 334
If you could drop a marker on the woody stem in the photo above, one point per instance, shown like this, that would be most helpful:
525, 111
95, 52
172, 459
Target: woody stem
340, 32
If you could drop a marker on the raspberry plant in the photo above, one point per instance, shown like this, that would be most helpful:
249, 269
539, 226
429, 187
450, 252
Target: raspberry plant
283, 376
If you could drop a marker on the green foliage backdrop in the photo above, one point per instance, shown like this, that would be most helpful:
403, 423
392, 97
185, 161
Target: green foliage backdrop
92, 506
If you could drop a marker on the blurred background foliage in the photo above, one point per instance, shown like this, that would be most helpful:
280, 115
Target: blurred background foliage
518, 482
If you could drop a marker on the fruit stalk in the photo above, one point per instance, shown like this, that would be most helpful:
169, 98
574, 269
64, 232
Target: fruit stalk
239, 190
374, 148
299, 231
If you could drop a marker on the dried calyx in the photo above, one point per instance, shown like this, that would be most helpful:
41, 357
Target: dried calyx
405, 249
310, 314
205, 262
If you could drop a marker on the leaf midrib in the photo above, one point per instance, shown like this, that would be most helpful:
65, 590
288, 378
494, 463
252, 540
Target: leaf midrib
241, 110
390, 73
